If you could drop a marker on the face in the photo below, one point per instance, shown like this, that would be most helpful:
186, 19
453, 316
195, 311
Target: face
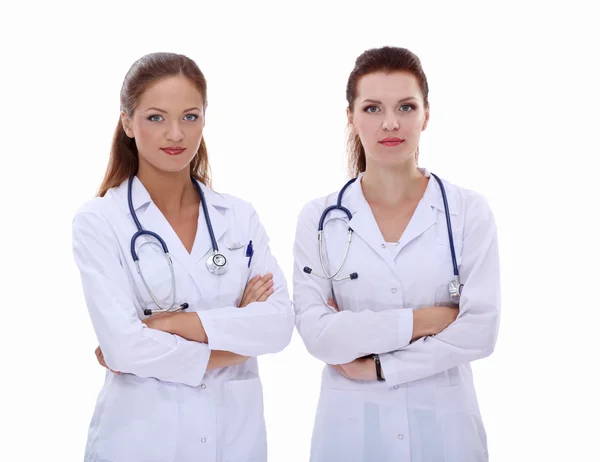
167, 124
389, 115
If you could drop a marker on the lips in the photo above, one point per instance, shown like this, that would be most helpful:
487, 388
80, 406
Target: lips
174, 151
391, 141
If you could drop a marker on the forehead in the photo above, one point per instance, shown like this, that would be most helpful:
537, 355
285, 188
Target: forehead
171, 92
384, 86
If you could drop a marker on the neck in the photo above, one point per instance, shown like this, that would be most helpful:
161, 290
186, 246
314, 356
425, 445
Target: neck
392, 187
170, 191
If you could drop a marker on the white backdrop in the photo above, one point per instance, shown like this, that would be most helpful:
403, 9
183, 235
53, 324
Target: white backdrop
514, 101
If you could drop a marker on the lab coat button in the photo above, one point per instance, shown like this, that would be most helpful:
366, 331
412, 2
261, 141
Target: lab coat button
203, 386
203, 440
396, 387
394, 290
400, 436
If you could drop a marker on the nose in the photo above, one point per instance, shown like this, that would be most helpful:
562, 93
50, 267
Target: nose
174, 133
390, 122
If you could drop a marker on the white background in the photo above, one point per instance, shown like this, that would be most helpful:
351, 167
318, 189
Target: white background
514, 101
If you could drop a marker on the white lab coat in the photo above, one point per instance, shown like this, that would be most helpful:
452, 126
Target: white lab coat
166, 406
426, 410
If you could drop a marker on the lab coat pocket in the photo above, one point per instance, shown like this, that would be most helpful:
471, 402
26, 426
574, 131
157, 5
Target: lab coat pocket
464, 437
139, 421
245, 439
463, 434
338, 434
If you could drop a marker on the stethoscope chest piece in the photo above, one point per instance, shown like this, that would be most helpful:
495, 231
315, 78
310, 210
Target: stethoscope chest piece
455, 288
216, 263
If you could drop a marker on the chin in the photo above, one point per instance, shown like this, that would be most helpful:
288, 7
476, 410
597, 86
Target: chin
392, 159
174, 166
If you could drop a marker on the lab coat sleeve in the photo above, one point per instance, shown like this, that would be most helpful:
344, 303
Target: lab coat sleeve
338, 337
128, 345
259, 327
473, 335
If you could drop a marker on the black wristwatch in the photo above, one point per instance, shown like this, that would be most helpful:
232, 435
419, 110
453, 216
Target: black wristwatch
378, 367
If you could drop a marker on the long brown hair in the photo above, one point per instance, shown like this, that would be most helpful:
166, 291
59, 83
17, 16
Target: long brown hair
148, 69
385, 59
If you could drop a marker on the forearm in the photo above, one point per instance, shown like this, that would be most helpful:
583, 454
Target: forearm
219, 359
189, 326
465, 341
257, 329
429, 321
185, 324
339, 338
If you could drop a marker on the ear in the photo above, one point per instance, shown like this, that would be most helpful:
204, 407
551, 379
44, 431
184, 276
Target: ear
426, 119
126, 122
349, 116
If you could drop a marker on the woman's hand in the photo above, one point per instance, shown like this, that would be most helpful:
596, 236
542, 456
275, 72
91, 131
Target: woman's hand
188, 325
258, 289
160, 321
432, 320
359, 369
100, 358
219, 359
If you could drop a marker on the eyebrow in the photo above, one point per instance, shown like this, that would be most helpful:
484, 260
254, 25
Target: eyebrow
164, 112
379, 102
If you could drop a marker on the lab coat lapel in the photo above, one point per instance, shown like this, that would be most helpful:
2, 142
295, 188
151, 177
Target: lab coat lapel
152, 219
363, 222
427, 212
424, 217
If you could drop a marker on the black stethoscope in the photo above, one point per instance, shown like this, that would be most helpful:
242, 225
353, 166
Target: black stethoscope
454, 287
216, 262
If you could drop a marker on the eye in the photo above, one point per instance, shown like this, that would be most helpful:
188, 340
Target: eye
191, 117
371, 109
406, 108
155, 118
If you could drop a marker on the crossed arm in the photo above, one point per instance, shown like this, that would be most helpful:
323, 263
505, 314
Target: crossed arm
177, 347
344, 339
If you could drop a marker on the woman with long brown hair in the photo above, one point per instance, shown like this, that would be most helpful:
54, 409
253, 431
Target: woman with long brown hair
180, 284
396, 285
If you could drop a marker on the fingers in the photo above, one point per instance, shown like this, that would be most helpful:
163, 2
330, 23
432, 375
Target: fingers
100, 358
266, 294
250, 284
331, 303
263, 289
341, 370
258, 289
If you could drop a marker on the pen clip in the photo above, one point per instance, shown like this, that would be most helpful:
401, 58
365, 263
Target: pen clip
249, 252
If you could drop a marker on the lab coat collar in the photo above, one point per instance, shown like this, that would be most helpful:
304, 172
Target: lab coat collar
141, 196
152, 219
355, 200
364, 225
433, 194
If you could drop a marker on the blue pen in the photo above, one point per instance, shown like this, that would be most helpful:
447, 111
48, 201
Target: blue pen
249, 253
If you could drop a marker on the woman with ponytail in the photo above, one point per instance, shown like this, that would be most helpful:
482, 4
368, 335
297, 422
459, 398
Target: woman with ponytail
182, 310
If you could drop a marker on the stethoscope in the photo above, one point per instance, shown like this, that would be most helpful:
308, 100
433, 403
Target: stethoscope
216, 262
454, 287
